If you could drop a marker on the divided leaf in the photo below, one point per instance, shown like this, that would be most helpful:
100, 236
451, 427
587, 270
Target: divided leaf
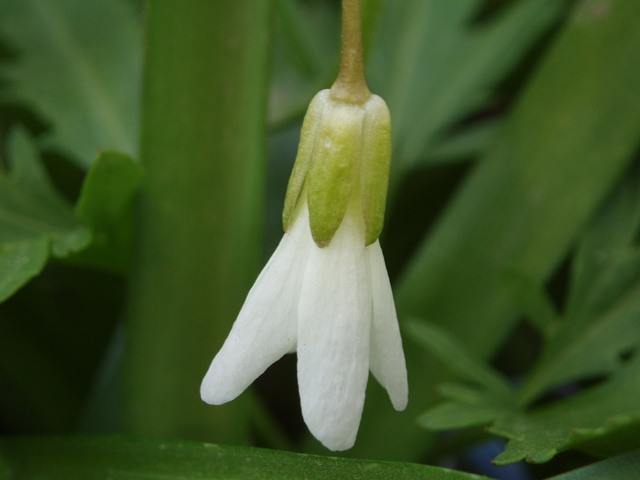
602, 411
77, 65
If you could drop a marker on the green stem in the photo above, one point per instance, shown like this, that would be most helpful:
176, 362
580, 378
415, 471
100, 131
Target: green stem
199, 216
351, 84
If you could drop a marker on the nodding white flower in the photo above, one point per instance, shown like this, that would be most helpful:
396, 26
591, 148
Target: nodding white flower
325, 292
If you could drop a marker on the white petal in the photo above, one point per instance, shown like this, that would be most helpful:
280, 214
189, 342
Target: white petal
387, 357
266, 327
333, 337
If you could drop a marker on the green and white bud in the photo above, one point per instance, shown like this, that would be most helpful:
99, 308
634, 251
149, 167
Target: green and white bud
345, 150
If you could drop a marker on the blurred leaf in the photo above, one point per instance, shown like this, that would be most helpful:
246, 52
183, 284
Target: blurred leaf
602, 320
456, 357
106, 206
433, 66
569, 138
607, 260
34, 219
78, 66
453, 415
468, 142
306, 44
29, 204
534, 303
578, 351
113, 458
623, 467
19, 263
601, 411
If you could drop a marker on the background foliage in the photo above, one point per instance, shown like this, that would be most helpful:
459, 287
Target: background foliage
140, 193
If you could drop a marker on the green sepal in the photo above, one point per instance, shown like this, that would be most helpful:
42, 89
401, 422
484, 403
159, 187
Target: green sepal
374, 165
308, 137
334, 168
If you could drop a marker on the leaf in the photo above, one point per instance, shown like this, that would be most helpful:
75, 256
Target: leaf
114, 458
29, 205
521, 208
453, 415
429, 88
533, 302
602, 318
19, 263
34, 220
78, 66
604, 410
593, 350
607, 259
305, 57
471, 141
455, 356
623, 467
106, 206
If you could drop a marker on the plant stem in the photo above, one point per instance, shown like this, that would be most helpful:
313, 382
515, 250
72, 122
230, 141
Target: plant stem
199, 217
351, 84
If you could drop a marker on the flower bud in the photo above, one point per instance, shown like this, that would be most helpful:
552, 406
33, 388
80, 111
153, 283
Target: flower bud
345, 149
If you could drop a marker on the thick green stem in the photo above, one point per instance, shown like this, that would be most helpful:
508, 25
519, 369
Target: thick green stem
199, 216
351, 84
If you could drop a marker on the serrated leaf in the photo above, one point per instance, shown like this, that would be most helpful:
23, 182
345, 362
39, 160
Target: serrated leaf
429, 88
623, 467
115, 458
456, 357
77, 66
604, 410
106, 206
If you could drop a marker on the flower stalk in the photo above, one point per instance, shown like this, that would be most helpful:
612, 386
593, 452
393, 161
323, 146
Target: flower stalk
351, 84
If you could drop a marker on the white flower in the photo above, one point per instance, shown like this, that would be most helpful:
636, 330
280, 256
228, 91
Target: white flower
332, 305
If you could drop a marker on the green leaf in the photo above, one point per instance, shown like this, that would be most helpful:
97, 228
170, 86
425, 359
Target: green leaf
470, 141
305, 60
453, 415
601, 411
623, 467
582, 349
114, 458
29, 205
533, 302
427, 88
455, 356
34, 219
607, 260
522, 207
78, 66
19, 263
602, 318
106, 206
